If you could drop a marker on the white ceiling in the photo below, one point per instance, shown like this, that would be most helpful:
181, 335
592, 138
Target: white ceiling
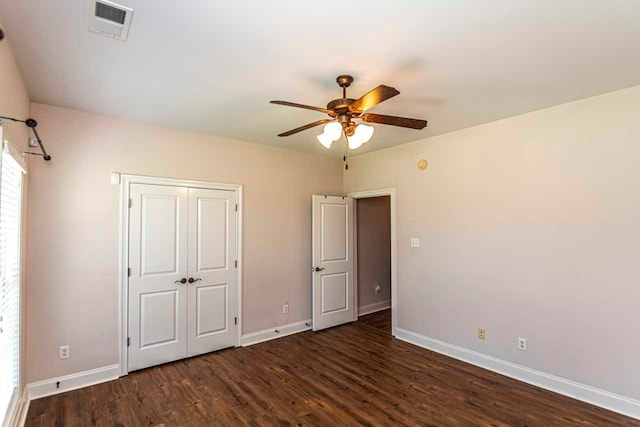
213, 65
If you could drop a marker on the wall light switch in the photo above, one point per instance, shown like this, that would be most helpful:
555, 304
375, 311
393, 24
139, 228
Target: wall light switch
415, 242
115, 179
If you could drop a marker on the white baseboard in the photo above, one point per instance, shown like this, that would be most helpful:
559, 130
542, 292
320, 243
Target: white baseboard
604, 399
23, 410
277, 332
17, 413
72, 381
372, 308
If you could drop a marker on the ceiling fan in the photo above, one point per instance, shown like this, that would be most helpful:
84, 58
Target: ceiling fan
343, 111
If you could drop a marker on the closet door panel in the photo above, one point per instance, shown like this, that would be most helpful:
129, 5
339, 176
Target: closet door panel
212, 271
158, 226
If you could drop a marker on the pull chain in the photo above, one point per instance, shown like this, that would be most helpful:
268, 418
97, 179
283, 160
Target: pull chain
344, 158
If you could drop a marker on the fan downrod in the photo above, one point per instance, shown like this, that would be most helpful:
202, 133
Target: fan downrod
344, 81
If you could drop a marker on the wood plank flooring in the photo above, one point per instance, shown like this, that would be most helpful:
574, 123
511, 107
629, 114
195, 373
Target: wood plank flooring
348, 375
380, 321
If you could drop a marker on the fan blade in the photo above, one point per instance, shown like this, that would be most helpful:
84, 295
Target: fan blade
307, 107
373, 98
305, 127
394, 121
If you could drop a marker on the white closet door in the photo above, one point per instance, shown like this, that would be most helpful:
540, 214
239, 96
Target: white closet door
212, 271
333, 291
158, 262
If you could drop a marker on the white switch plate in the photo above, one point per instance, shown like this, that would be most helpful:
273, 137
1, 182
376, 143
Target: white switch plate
415, 242
115, 178
285, 309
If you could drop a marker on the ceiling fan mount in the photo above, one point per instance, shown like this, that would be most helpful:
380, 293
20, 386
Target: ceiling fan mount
344, 80
344, 110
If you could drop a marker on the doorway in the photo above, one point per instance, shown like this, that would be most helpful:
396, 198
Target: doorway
335, 278
373, 262
375, 266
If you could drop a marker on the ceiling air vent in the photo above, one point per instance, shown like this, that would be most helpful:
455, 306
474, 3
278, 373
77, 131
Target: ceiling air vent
109, 19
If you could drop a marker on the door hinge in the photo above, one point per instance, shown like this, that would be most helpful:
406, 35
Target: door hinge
235, 320
128, 341
130, 202
129, 272
236, 207
236, 263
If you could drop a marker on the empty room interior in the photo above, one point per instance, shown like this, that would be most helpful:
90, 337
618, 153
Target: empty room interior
273, 213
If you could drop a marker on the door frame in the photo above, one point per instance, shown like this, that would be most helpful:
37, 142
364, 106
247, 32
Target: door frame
125, 182
391, 192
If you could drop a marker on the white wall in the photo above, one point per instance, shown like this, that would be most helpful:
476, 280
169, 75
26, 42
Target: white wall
529, 227
74, 217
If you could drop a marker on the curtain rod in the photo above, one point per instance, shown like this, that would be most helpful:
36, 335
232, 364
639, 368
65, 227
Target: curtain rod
30, 123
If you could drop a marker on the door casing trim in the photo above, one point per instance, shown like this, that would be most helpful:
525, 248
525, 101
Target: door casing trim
391, 192
123, 263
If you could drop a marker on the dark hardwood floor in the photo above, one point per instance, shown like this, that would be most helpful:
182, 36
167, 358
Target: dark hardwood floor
380, 321
348, 375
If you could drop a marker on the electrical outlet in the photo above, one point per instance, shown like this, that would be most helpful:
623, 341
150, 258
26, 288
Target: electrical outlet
415, 242
64, 352
522, 344
378, 289
285, 309
482, 334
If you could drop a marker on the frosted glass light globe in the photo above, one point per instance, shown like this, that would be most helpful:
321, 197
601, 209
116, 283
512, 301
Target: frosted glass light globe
355, 141
366, 132
325, 140
333, 130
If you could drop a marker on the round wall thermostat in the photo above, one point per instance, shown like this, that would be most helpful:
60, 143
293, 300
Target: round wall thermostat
422, 164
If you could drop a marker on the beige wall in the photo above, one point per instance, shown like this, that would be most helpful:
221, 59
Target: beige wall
74, 218
374, 249
14, 99
529, 227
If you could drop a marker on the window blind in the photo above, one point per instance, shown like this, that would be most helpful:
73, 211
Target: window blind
10, 221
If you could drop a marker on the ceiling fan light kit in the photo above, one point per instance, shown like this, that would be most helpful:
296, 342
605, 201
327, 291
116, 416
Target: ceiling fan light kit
343, 113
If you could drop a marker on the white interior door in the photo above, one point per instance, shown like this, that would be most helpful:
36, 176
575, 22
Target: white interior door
332, 269
212, 293
158, 261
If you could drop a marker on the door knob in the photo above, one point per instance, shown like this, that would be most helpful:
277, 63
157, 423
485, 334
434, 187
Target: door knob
191, 279
317, 269
183, 280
